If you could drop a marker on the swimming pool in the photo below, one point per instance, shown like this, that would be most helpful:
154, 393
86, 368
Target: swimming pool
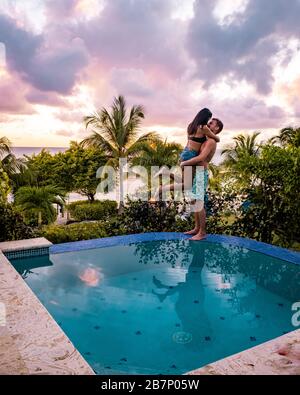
163, 306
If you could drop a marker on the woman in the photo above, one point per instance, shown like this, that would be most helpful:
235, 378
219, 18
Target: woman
197, 133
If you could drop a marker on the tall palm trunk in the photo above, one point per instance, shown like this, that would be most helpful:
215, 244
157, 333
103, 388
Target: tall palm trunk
121, 185
40, 221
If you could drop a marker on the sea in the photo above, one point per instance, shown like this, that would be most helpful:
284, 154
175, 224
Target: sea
20, 151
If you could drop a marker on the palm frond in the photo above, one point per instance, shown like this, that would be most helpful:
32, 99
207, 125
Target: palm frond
5, 146
96, 140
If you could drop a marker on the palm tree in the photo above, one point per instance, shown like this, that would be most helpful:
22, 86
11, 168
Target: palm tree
158, 153
244, 146
10, 164
39, 200
116, 133
216, 177
237, 158
5, 146
287, 136
24, 177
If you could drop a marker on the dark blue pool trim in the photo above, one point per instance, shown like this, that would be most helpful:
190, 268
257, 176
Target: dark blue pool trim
267, 249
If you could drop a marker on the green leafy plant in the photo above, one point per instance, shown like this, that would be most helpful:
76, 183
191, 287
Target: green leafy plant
13, 226
74, 232
97, 210
140, 216
37, 202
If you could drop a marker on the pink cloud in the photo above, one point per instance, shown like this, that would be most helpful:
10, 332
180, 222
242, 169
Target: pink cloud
65, 133
138, 51
71, 116
58, 10
12, 97
91, 277
36, 96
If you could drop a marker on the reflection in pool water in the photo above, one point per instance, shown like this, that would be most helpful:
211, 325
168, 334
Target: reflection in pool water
90, 277
165, 306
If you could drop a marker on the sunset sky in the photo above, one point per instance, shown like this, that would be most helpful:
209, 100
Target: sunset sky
62, 59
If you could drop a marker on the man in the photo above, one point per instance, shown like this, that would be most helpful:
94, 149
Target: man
206, 154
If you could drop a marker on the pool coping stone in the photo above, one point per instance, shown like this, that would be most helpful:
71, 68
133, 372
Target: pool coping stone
253, 245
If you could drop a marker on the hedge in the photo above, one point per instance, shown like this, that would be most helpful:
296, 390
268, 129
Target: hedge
74, 232
92, 211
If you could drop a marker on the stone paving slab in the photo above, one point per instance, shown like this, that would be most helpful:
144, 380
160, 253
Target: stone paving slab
28, 244
280, 356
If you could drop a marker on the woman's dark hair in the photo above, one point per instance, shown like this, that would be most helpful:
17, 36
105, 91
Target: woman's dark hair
201, 119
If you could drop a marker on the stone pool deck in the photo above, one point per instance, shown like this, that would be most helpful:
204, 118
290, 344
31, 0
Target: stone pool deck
280, 356
31, 342
22, 245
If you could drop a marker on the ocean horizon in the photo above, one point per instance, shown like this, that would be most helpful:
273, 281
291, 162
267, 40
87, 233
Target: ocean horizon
21, 151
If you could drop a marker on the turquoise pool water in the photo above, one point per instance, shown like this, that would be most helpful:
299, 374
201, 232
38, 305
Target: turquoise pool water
164, 306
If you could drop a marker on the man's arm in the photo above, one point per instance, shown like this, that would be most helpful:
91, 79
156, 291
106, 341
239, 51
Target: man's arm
209, 146
207, 132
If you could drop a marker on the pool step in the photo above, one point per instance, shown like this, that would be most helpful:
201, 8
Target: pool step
25, 248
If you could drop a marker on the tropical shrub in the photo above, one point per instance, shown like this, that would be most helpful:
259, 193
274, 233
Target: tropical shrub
40, 170
37, 203
75, 170
12, 226
97, 210
221, 211
74, 232
273, 215
140, 217
4, 185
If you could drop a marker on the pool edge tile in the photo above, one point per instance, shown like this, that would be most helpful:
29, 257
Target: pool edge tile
253, 245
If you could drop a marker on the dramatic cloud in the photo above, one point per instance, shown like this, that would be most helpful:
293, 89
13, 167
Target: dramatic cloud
66, 58
36, 96
11, 101
132, 82
12, 97
135, 34
245, 48
46, 67
61, 9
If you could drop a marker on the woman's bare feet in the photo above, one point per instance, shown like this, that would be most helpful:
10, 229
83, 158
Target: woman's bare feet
199, 236
192, 232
